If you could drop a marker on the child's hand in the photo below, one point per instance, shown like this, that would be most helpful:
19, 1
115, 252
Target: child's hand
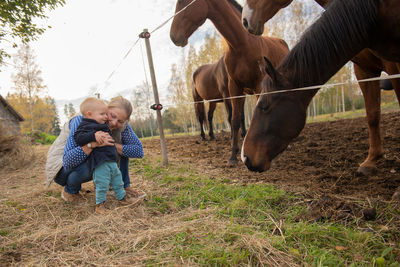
100, 136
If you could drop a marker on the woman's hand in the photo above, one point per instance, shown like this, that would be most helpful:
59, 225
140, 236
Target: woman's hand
100, 136
106, 141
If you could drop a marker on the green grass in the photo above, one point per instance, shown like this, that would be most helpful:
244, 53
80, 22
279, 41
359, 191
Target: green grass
262, 212
386, 107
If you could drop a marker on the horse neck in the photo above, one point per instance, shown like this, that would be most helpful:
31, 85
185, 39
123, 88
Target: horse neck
334, 39
227, 20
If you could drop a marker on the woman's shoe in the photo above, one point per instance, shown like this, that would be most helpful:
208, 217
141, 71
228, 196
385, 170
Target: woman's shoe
72, 198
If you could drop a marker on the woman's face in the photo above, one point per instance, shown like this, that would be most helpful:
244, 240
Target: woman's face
116, 117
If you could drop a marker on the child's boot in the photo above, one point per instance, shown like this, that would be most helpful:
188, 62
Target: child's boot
100, 208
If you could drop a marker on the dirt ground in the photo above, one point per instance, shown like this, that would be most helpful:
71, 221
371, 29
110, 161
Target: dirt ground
319, 168
320, 164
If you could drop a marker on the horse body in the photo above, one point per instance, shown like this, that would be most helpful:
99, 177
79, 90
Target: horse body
367, 63
244, 50
210, 82
343, 31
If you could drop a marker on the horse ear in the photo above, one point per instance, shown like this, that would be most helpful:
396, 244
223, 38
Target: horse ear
261, 66
270, 70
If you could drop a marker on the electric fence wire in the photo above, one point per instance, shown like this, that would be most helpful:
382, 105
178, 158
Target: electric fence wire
130, 49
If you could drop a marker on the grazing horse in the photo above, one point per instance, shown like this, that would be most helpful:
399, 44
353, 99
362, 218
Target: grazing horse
366, 65
343, 30
210, 82
244, 50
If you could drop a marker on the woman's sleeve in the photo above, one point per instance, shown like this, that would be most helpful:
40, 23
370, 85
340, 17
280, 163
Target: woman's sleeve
131, 145
73, 154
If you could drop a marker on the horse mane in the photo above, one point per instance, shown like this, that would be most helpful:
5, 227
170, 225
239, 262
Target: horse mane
341, 32
236, 5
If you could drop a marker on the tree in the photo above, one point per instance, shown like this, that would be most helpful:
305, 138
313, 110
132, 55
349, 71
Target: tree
69, 110
28, 82
17, 20
55, 128
180, 97
43, 110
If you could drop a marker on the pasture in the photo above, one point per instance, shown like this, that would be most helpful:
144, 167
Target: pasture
309, 209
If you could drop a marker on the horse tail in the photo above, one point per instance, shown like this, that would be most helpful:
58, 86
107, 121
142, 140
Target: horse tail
386, 84
198, 103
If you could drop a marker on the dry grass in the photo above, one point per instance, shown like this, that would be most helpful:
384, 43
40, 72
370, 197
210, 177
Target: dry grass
15, 151
38, 228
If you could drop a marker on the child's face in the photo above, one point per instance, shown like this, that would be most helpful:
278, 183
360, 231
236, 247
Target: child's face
98, 114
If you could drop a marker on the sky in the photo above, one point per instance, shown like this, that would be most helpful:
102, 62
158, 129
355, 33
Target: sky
88, 40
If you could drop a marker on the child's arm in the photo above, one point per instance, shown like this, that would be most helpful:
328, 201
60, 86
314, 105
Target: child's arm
83, 136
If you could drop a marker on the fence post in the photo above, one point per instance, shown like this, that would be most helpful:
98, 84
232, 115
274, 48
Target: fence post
146, 35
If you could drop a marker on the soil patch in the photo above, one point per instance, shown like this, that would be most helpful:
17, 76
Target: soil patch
321, 164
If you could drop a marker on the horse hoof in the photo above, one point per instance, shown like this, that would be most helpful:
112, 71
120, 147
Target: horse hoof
232, 163
396, 196
366, 171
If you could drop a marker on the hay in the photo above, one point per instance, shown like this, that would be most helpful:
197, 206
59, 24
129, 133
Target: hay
15, 151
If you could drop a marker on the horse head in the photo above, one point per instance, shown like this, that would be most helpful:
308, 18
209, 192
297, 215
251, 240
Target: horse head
277, 119
187, 21
257, 12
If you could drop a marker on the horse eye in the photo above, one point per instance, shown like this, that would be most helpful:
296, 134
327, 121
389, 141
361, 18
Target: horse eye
264, 107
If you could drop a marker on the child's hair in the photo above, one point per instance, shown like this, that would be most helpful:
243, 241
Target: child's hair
89, 104
123, 103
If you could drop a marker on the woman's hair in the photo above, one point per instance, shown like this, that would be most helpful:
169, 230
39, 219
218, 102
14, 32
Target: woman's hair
123, 103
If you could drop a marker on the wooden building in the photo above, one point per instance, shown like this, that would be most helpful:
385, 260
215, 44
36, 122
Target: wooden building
9, 117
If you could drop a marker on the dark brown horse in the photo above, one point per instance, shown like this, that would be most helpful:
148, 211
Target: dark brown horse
344, 29
244, 50
210, 82
366, 65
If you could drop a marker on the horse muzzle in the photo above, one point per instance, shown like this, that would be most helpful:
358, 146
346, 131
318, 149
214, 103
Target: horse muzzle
181, 41
264, 165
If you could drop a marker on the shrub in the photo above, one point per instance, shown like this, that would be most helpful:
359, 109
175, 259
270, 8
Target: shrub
38, 137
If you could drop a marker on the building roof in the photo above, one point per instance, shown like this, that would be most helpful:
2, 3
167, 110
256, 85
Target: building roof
11, 109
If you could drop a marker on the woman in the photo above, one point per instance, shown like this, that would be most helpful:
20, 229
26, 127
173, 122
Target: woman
75, 171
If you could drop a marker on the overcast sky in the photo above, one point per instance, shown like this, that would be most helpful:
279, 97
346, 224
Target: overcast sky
89, 39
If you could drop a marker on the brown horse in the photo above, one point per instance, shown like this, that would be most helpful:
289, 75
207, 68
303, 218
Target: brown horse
244, 50
344, 29
257, 12
210, 82
366, 65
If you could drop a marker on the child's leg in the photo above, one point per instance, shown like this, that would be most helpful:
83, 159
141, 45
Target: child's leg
116, 182
101, 178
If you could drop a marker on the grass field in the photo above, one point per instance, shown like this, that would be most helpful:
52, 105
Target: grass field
188, 219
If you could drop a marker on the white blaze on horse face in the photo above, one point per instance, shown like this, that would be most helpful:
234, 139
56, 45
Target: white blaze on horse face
247, 12
242, 152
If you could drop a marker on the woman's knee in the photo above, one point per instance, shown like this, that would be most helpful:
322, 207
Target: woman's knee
79, 175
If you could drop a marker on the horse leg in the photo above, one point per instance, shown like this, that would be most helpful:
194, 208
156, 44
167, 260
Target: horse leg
228, 107
396, 87
372, 99
211, 110
242, 120
396, 82
199, 110
237, 104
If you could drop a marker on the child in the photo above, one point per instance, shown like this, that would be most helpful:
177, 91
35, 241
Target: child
102, 161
